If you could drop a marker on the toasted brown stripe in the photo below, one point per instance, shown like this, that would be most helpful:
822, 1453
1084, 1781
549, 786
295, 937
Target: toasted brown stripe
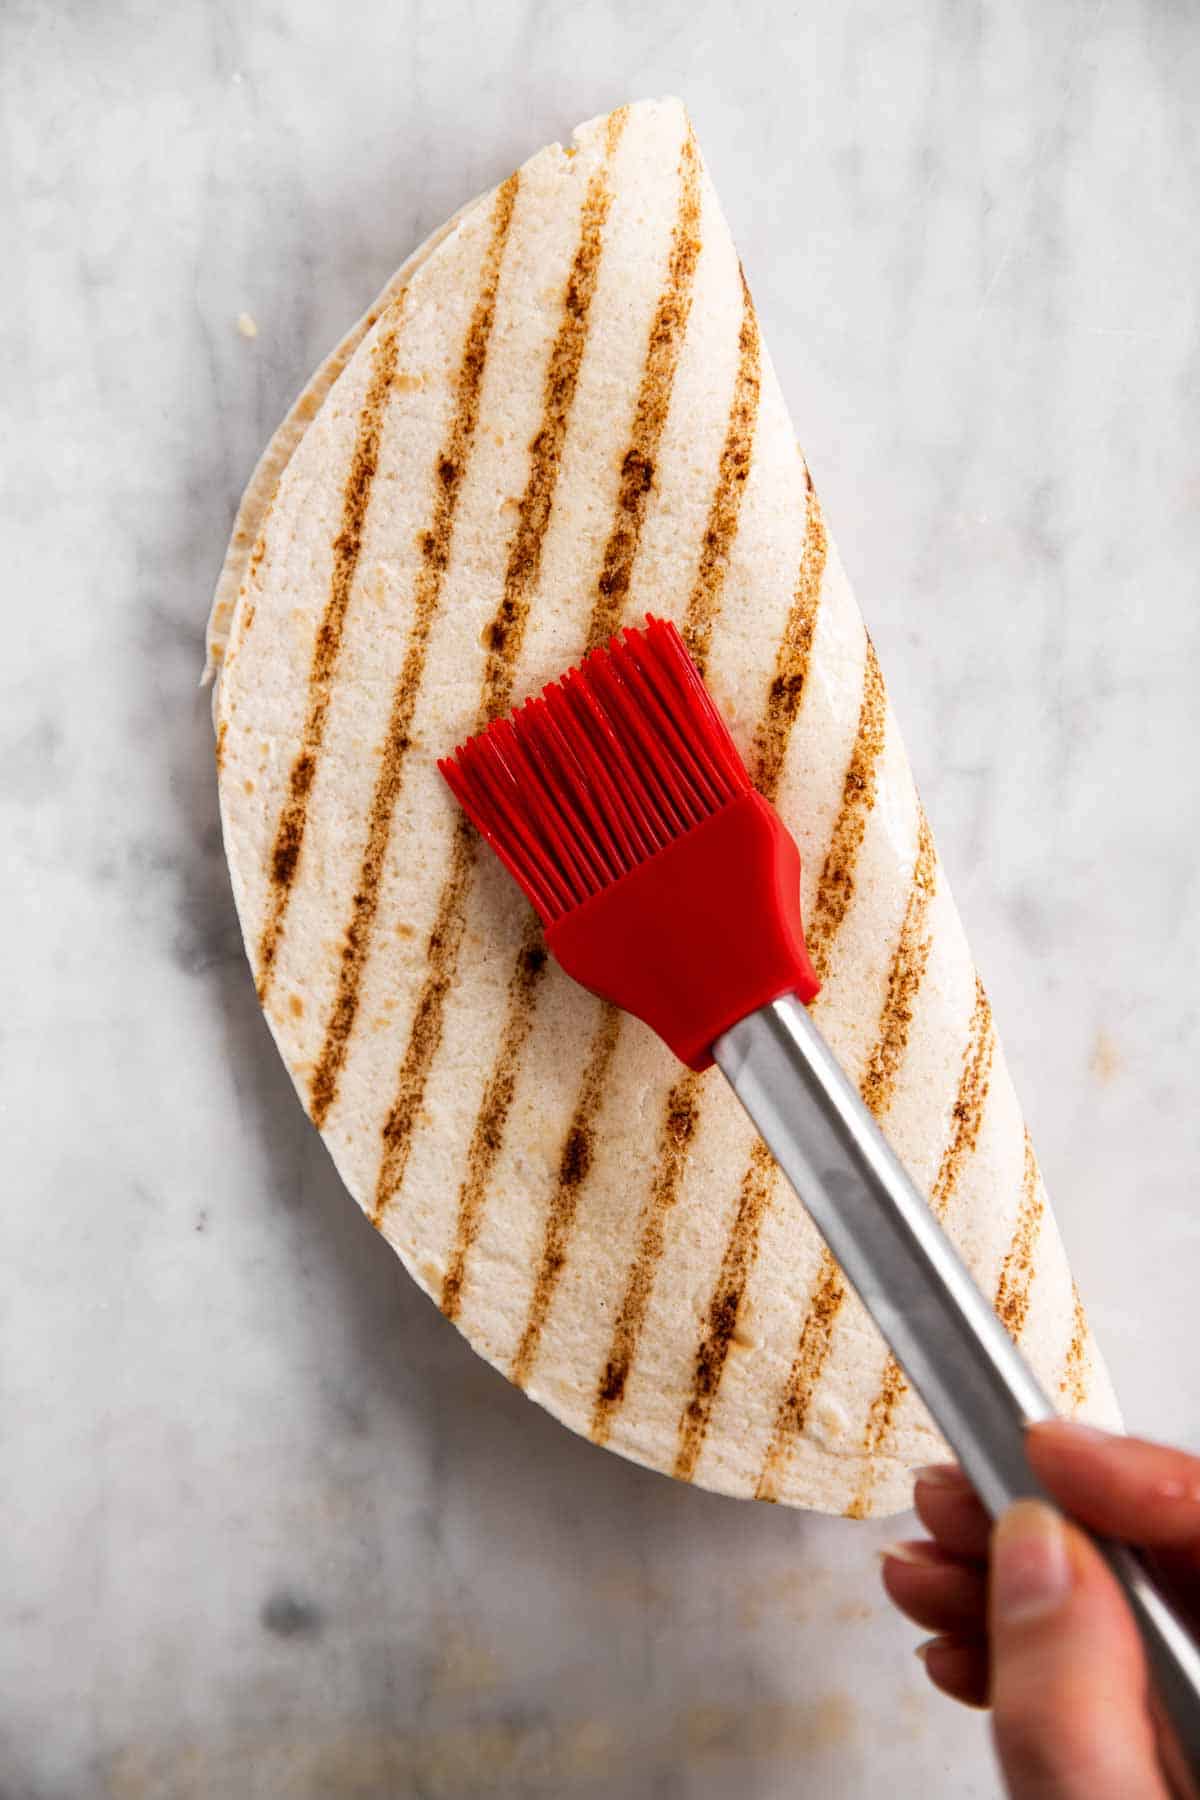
1074, 1378
653, 402
892, 1389
506, 632
574, 1164
364, 460
967, 1116
774, 732
835, 889
725, 1308
487, 1135
968, 1102
733, 472
778, 716
260, 542
505, 635
679, 1127
904, 979
812, 1353
449, 472
612, 588
1016, 1276
425, 1032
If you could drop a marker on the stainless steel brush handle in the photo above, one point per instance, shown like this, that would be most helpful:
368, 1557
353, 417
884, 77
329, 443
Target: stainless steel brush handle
951, 1345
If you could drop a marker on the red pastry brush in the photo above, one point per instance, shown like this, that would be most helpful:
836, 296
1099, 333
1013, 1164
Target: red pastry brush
667, 885
619, 802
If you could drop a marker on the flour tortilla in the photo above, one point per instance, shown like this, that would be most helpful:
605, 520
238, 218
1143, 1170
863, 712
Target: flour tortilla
268, 471
557, 416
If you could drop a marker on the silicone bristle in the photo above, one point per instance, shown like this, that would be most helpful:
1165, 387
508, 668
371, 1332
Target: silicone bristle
612, 763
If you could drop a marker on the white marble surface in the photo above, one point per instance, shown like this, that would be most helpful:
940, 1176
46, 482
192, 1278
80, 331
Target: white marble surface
267, 1527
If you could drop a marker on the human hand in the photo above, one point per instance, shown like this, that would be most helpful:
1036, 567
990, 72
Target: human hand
1029, 1620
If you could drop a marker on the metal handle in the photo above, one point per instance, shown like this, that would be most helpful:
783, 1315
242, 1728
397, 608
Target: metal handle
978, 1387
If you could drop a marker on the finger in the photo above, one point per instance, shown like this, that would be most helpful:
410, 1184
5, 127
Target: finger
957, 1667
1069, 1686
1124, 1487
947, 1507
936, 1590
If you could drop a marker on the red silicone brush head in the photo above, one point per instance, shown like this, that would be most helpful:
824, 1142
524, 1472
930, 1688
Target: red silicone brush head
620, 804
614, 762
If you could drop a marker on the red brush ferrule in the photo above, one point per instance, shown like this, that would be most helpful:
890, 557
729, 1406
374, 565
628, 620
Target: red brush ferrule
703, 933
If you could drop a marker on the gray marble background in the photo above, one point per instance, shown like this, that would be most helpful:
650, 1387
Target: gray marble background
267, 1527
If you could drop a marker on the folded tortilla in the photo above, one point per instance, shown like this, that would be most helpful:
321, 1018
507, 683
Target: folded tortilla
560, 414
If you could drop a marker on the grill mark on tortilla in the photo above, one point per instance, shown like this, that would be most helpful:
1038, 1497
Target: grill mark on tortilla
425, 1032
809, 1364
488, 1132
784, 695
356, 495
259, 549
653, 402
733, 472
448, 476
812, 1352
725, 1308
222, 731
679, 1127
650, 417
574, 1164
506, 632
1074, 1376
904, 979
504, 639
879, 1424
967, 1116
766, 763
969, 1101
1013, 1290
835, 890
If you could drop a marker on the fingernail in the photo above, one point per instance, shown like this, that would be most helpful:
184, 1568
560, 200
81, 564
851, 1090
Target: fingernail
1031, 1570
941, 1475
918, 1555
1170, 1489
922, 1650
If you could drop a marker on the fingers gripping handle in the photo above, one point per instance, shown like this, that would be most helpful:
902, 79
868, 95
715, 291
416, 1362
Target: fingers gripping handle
952, 1347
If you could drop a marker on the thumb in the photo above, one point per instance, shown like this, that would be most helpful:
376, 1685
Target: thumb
1069, 1682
